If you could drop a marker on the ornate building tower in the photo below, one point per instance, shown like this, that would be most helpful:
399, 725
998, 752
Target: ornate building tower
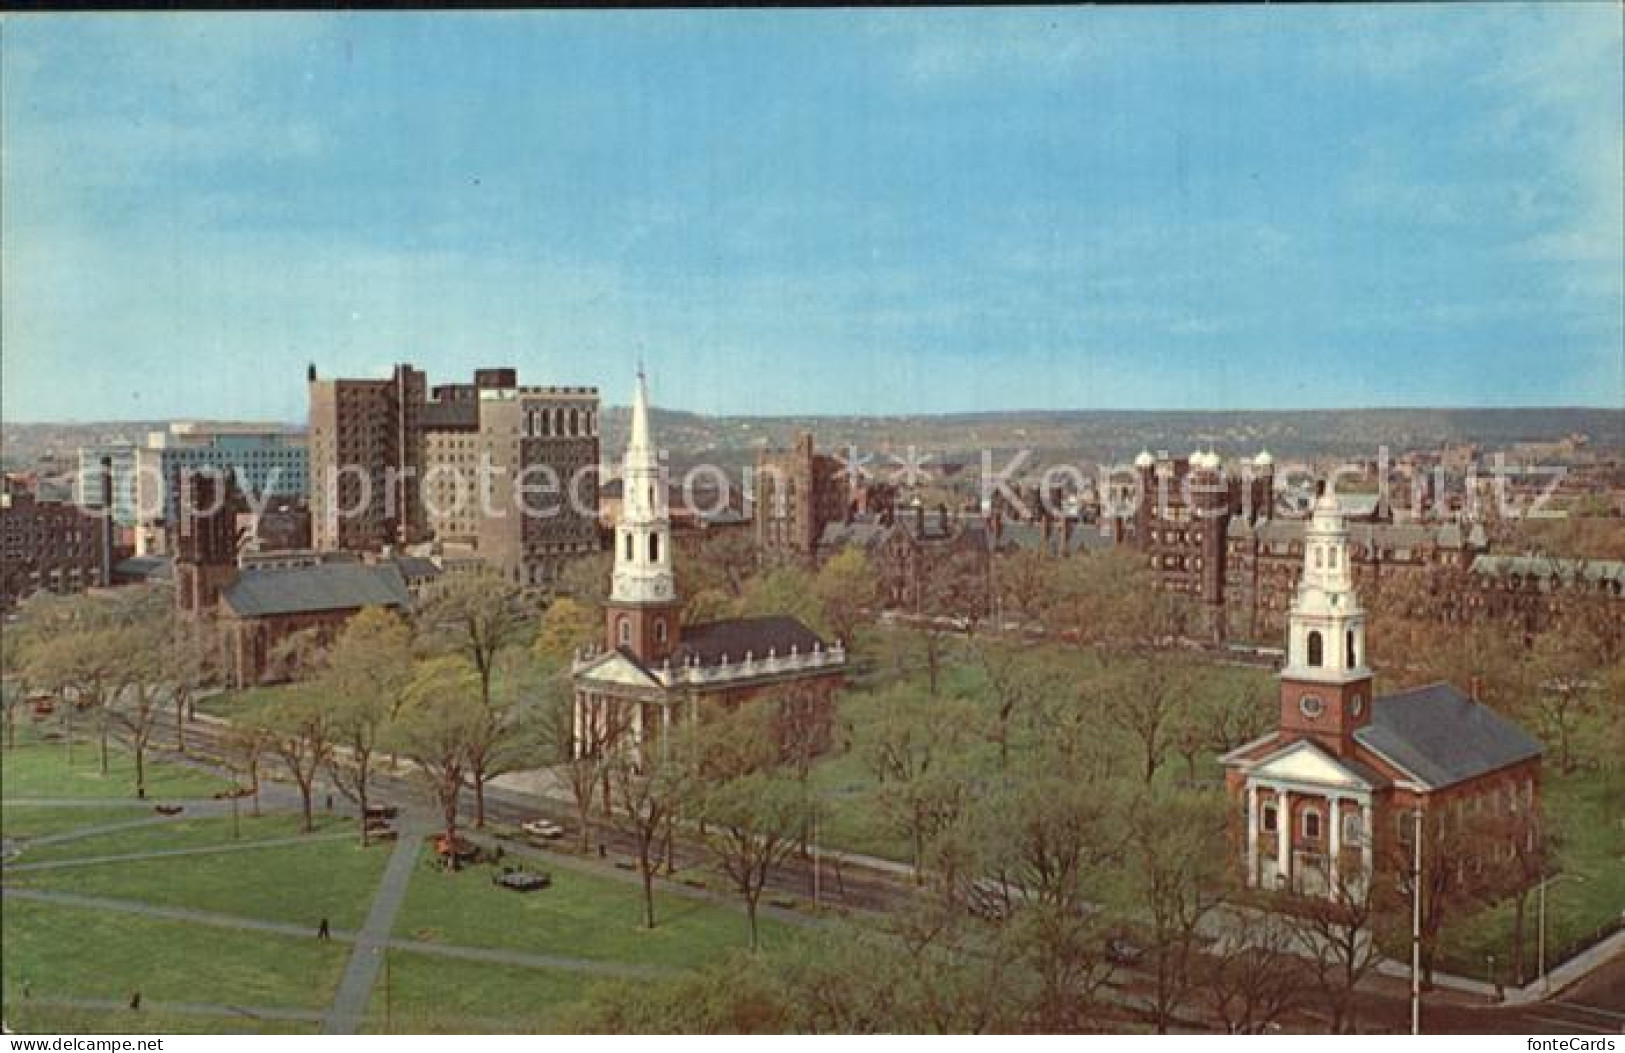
1326, 686
643, 613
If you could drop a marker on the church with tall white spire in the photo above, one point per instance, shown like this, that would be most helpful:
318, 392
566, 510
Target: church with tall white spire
1326, 793
650, 669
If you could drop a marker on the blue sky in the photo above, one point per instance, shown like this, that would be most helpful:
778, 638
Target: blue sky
821, 212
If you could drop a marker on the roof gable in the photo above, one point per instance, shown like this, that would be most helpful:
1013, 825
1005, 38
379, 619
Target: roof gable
1304, 762
619, 668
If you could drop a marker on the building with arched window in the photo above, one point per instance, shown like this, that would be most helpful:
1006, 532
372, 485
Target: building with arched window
652, 669
1344, 772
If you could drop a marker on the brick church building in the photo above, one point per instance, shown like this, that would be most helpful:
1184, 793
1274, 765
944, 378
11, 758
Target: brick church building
1345, 771
652, 670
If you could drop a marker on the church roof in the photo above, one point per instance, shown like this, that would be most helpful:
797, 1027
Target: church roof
1441, 736
732, 638
267, 591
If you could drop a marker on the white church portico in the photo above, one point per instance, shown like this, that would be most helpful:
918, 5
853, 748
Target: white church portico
1309, 819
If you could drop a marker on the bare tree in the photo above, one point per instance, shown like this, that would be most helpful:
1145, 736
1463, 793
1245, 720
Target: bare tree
1175, 859
649, 789
1337, 934
1253, 978
299, 733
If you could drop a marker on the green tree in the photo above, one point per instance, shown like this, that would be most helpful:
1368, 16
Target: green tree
567, 626
298, 731
751, 826
441, 717
367, 676
847, 591
479, 616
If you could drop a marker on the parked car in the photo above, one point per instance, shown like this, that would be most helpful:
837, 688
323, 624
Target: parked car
544, 828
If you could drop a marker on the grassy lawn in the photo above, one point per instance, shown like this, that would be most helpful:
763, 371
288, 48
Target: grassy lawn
1585, 814
430, 995
63, 951
32, 1018
23, 820
299, 884
231, 704
582, 916
37, 769
182, 832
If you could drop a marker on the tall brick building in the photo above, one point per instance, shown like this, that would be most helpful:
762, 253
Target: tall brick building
53, 546
486, 465
797, 493
1221, 537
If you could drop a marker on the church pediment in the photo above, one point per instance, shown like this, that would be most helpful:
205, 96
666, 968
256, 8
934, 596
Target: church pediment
1306, 763
617, 669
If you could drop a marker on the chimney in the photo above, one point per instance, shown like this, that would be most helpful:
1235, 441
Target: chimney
310, 373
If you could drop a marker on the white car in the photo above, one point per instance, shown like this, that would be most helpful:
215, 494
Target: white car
543, 828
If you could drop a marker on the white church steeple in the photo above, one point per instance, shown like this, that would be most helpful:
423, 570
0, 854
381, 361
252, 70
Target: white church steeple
643, 567
1327, 636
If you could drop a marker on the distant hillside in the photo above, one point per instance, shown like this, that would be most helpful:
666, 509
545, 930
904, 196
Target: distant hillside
1091, 435
1110, 434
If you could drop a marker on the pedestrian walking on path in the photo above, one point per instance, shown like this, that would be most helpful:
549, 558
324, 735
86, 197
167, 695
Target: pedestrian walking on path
323, 932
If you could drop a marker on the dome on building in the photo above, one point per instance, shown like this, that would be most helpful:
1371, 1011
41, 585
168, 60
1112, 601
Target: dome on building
1144, 460
1263, 460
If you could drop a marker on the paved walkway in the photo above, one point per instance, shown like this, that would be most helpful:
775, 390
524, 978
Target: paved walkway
171, 853
355, 987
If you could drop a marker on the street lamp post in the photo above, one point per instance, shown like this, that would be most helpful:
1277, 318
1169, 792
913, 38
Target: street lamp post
1416, 925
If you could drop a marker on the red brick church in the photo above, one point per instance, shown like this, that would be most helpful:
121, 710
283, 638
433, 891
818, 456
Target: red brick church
1344, 771
652, 670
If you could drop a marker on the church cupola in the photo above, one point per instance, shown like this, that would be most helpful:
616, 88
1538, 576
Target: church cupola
642, 611
1326, 685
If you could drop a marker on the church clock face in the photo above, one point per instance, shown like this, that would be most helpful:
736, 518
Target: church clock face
1311, 706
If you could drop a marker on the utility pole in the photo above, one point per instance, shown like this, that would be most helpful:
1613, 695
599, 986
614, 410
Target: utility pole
1416, 925
1546, 984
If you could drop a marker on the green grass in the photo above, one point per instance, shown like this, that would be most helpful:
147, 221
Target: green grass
300, 884
32, 1018
36, 769
22, 820
431, 995
182, 832
64, 951
582, 916
1585, 812
232, 704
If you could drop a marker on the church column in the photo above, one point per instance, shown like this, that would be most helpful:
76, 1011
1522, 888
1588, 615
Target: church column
1252, 834
1283, 837
1334, 839
575, 724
